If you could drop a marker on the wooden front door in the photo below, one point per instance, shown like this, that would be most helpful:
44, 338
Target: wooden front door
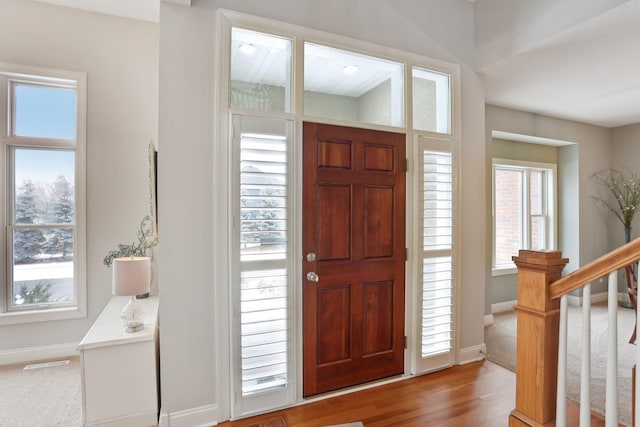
354, 256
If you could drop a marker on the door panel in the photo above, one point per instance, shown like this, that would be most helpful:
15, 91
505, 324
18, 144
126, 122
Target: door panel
334, 154
378, 317
334, 327
354, 223
334, 242
378, 158
378, 222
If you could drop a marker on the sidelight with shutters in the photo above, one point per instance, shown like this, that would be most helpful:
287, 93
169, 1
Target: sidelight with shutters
262, 279
437, 176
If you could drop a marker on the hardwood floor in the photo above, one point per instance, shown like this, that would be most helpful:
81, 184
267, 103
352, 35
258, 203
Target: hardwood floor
479, 394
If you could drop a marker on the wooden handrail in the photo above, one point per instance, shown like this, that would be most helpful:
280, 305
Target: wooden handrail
539, 289
600, 267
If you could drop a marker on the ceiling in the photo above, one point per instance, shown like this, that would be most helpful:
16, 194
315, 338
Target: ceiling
587, 69
570, 59
142, 10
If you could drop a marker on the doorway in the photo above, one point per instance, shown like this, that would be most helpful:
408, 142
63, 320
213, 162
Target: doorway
353, 256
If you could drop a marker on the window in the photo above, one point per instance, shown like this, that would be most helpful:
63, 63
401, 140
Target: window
437, 272
344, 85
523, 210
42, 152
263, 276
431, 101
260, 71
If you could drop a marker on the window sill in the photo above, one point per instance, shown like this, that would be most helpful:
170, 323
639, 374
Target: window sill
503, 271
48, 315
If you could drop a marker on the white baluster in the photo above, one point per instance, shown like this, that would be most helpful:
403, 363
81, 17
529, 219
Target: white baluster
585, 371
611, 396
561, 402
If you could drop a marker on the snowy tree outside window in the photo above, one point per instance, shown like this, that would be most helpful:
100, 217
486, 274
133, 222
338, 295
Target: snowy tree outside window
44, 227
27, 242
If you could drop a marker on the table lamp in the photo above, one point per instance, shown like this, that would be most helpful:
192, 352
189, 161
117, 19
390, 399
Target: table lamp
131, 277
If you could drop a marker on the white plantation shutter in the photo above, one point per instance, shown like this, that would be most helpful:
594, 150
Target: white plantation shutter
263, 197
262, 282
437, 236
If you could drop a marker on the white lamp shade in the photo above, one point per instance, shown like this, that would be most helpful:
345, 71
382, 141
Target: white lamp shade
131, 275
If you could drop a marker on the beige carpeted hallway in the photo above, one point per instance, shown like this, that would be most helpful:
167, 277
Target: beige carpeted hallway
42, 397
500, 338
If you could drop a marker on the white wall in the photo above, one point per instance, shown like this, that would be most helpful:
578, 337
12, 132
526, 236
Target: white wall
120, 58
589, 239
569, 204
189, 357
625, 146
473, 209
188, 332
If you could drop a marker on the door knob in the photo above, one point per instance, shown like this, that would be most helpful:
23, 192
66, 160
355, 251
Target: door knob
312, 277
311, 256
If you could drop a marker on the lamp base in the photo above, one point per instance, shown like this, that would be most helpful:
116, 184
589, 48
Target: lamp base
132, 316
133, 327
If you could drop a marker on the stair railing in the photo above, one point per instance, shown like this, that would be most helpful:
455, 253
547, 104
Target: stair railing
540, 334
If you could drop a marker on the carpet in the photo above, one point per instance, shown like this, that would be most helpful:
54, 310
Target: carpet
41, 397
500, 339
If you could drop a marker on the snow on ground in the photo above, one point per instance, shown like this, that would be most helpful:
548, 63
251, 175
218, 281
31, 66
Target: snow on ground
42, 271
59, 274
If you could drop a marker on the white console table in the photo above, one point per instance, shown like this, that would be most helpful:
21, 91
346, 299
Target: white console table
120, 369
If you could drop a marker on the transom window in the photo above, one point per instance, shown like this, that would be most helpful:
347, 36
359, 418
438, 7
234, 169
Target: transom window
260, 71
40, 143
344, 85
431, 101
43, 111
523, 209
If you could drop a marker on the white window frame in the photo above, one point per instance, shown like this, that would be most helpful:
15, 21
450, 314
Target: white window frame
550, 207
77, 81
223, 188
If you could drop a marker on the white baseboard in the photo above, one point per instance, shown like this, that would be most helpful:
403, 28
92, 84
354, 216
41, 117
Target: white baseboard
488, 319
595, 298
30, 354
203, 416
138, 420
601, 297
472, 354
501, 307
